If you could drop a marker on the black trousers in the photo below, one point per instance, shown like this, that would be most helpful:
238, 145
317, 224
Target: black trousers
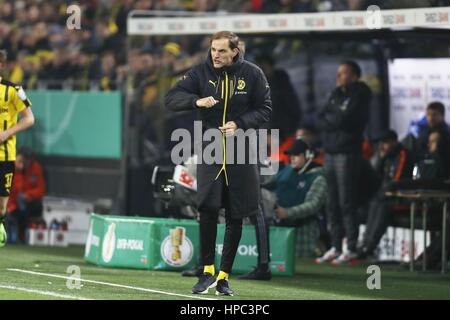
218, 197
342, 172
262, 237
21, 217
377, 220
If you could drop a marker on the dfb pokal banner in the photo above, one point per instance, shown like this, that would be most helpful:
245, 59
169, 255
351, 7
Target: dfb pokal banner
413, 84
173, 244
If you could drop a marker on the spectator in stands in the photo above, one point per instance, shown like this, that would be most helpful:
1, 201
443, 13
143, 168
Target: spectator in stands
392, 164
417, 139
439, 149
435, 164
108, 72
56, 69
105, 72
205, 5
25, 202
309, 134
435, 167
240, 6
301, 192
342, 121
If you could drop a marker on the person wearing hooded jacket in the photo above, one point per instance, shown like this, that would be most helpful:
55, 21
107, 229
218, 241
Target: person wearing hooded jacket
229, 93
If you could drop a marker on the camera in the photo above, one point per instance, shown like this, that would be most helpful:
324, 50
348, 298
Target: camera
176, 186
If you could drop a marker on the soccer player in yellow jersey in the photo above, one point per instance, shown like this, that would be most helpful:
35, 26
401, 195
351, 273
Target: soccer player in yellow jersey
13, 101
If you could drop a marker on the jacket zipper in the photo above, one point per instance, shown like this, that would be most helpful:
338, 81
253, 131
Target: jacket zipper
224, 146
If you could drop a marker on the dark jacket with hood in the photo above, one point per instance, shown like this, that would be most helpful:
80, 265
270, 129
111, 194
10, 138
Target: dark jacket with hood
244, 97
344, 119
395, 166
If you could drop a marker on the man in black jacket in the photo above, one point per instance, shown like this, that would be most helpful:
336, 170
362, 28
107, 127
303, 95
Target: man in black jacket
342, 122
229, 93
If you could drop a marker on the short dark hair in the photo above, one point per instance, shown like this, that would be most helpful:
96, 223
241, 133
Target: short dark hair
3, 56
233, 39
388, 136
26, 152
354, 67
437, 106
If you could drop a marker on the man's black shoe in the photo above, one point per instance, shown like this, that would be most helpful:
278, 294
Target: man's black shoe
205, 281
256, 274
222, 288
194, 272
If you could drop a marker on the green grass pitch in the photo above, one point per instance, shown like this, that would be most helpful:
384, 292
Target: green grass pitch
41, 273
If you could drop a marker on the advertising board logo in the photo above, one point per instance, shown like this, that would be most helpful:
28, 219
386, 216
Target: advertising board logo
177, 249
176, 26
353, 21
242, 24
436, 17
277, 23
314, 22
109, 243
208, 25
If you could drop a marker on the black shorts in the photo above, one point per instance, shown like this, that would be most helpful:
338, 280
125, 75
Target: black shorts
6, 177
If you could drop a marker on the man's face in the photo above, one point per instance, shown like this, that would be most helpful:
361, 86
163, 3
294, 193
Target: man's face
20, 162
434, 118
387, 146
221, 53
298, 161
433, 141
344, 76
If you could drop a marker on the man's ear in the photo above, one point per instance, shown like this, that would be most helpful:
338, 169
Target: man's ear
235, 52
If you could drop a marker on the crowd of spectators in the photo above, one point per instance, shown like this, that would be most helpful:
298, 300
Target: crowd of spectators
44, 53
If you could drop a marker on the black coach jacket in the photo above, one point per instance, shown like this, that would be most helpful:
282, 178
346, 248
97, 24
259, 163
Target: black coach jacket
244, 97
344, 119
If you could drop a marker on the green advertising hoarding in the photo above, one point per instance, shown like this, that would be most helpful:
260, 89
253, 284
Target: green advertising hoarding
282, 250
173, 244
142, 243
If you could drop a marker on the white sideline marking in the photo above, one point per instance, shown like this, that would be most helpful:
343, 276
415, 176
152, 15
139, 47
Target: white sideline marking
110, 284
45, 293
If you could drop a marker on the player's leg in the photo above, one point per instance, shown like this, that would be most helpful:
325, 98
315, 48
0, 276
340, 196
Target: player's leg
209, 212
233, 233
208, 234
232, 237
347, 173
3, 206
6, 178
334, 216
